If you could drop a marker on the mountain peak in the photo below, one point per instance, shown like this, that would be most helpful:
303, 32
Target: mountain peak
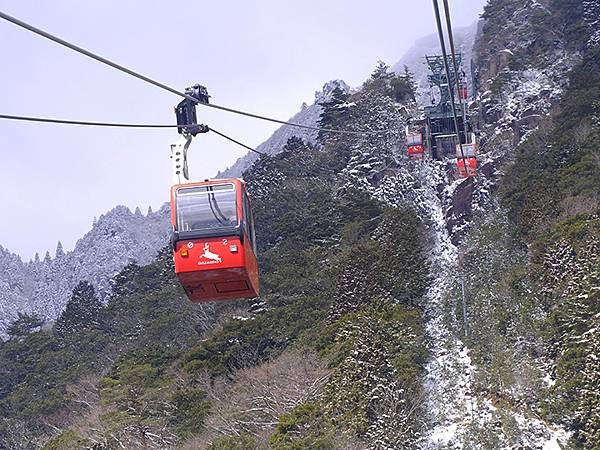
328, 88
117, 238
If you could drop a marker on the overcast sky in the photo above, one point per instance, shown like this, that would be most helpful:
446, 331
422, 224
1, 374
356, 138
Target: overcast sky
264, 56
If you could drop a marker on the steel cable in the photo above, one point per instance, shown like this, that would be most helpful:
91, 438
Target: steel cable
438, 20
86, 123
119, 125
160, 85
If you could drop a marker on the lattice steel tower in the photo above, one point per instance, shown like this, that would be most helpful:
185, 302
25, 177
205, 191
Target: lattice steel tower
440, 131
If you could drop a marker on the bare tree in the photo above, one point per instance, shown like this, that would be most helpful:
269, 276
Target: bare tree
256, 399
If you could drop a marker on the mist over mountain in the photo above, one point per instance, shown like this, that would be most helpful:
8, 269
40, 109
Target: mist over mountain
414, 58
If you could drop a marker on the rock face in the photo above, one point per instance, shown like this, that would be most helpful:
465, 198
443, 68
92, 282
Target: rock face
520, 73
461, 209
43, 287
309, 115
521, 70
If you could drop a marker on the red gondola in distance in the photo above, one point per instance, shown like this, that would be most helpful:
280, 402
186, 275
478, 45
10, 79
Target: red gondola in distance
415, 146
214, 247
466, 159
463, 92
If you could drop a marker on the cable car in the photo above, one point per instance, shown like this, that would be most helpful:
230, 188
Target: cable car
467, 167
414, 142
466, 161
463, 92
214, 246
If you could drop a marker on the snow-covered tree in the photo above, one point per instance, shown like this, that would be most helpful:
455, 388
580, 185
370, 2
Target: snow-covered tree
59, 250
592, 18
334, 111
588, 413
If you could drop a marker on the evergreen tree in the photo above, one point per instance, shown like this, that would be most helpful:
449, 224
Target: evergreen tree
47, 258
36, 258
380, 79
293, 144
381, 72
588, 413
82, 312
403, 87
591, 16
334, 111
24, 325
59, 250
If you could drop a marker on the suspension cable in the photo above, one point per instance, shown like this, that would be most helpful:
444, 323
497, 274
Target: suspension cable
123, 125
453, 51
447, 68
87, 123
119, 125
237, 142
160, 85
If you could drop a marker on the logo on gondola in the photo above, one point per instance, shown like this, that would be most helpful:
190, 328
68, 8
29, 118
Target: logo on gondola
212, 258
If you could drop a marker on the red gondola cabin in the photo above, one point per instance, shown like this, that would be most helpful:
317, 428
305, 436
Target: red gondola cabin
466, 161
214, 246
463, 92
415, 145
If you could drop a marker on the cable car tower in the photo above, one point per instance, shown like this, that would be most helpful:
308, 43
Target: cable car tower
447, 125
440, 130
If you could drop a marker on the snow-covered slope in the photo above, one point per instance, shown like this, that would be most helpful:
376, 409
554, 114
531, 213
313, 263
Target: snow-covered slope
15, 287
308, 115
44, 286
461, 413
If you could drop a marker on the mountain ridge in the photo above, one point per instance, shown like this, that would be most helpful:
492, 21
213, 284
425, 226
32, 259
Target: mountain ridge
307, 116
42, 287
